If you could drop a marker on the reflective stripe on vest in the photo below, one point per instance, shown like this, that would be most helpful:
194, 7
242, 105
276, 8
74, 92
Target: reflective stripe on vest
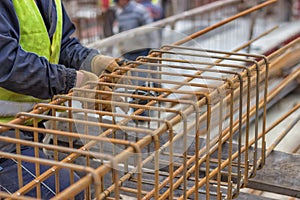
33, 38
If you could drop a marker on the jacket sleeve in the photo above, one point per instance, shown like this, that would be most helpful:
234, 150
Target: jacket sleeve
25, 72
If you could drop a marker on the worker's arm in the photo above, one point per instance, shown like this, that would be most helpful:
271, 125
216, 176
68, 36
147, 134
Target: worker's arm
24, 72
27, 73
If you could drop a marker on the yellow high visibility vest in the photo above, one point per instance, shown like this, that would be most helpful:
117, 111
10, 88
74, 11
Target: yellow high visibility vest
33, 38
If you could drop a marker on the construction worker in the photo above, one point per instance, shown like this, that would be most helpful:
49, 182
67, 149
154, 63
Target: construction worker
109, 18
39, 59
131, 15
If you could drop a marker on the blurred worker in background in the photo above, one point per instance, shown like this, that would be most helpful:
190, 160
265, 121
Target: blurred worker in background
130, 15
109, 18
38, 60
155, 11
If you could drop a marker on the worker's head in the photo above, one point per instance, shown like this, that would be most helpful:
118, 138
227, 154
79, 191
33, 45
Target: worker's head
121, 3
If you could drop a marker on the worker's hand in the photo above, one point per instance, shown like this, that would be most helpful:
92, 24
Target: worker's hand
83, 78
103, 64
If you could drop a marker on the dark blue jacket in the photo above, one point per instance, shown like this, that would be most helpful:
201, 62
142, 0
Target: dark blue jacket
16, 65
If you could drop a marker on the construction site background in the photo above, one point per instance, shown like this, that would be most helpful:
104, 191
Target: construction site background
88, 15
223, 124
90, 30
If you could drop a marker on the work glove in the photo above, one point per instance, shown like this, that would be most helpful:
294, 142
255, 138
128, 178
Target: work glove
87, 77
84, 77
103, 64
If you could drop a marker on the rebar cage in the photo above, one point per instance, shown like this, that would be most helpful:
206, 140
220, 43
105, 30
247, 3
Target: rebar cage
180, 132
